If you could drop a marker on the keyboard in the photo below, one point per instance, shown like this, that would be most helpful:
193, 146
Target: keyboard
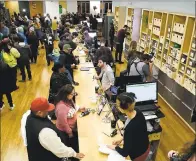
147, 113
151, 107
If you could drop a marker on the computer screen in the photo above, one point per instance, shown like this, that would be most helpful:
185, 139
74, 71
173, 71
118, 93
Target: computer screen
144, 91
92, 34
99, 20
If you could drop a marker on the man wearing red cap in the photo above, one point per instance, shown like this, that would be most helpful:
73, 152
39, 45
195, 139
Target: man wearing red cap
42, 138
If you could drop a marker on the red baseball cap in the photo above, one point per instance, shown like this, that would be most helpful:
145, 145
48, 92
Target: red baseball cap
41, 104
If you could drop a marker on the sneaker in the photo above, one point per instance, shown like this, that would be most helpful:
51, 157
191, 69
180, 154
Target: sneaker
1, 108
12, 107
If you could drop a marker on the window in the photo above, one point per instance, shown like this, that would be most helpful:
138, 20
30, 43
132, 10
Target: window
105, 6
83, 6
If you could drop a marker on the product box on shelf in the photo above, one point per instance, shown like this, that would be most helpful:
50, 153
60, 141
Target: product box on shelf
193, 74
179, 78
193, 45
162, 39
179, 39
171, 74
181, 30
188, 71
192, 54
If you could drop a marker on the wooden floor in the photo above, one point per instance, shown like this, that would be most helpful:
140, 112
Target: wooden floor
175, 132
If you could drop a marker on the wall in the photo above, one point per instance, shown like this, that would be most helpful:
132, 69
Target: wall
13, 6
64, 6
24, 5
167, 6
38, 7
97, 4
72, 6
52, 8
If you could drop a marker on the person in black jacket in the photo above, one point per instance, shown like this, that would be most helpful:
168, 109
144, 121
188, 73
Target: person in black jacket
48, 39
111, 34
94, 23
104, 51
67, 59
33, 41
136, 142
24, 60
58, 79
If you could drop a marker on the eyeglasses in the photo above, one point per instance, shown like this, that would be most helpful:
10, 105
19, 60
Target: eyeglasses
73, 94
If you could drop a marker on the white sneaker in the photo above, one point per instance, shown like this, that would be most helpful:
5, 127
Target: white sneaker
12, 107
2, 107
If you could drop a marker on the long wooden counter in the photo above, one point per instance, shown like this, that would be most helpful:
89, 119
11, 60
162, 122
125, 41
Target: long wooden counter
91, 127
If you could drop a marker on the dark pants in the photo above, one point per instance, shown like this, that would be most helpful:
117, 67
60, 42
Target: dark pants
9, 98
74, 143
119, 50
34, 58
71, 142
22, 69
111, 44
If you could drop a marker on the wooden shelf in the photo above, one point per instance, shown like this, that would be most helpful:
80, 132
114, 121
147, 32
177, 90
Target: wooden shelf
193, 49
190, 67
192, 58
155, 39
167, 35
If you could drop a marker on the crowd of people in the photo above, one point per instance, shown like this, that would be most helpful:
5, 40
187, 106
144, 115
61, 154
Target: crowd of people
19, 47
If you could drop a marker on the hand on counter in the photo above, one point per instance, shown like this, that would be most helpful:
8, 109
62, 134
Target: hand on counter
82, 109
118, 142
73, 66
80, 155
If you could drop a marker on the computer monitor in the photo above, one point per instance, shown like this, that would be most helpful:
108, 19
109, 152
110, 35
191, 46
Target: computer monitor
100, 20
145, 92
92, 34
125, 80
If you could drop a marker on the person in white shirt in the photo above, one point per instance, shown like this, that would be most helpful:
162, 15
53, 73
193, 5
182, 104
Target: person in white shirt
106, 75
41, 137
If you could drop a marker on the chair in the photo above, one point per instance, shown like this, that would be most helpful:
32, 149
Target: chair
144, 156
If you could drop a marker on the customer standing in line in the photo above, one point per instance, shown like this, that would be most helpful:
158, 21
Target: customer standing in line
42, 139
66, 115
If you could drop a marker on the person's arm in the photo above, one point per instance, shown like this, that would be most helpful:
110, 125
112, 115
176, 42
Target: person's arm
146, 72
62, 118
49, 140
100, 75
15, 52
111, 78
126, 146
65, 79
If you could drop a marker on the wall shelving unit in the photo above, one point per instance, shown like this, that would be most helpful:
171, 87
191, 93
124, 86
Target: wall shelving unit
171, 37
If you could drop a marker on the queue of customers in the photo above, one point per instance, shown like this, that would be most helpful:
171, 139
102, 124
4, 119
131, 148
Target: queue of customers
43, 139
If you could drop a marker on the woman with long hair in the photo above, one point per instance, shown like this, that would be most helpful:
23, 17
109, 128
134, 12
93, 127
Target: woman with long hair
66, 115
9, 76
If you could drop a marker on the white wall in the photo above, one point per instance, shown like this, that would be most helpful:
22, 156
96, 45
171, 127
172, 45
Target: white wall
92, 4
52, 8
177, 6
72, 6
